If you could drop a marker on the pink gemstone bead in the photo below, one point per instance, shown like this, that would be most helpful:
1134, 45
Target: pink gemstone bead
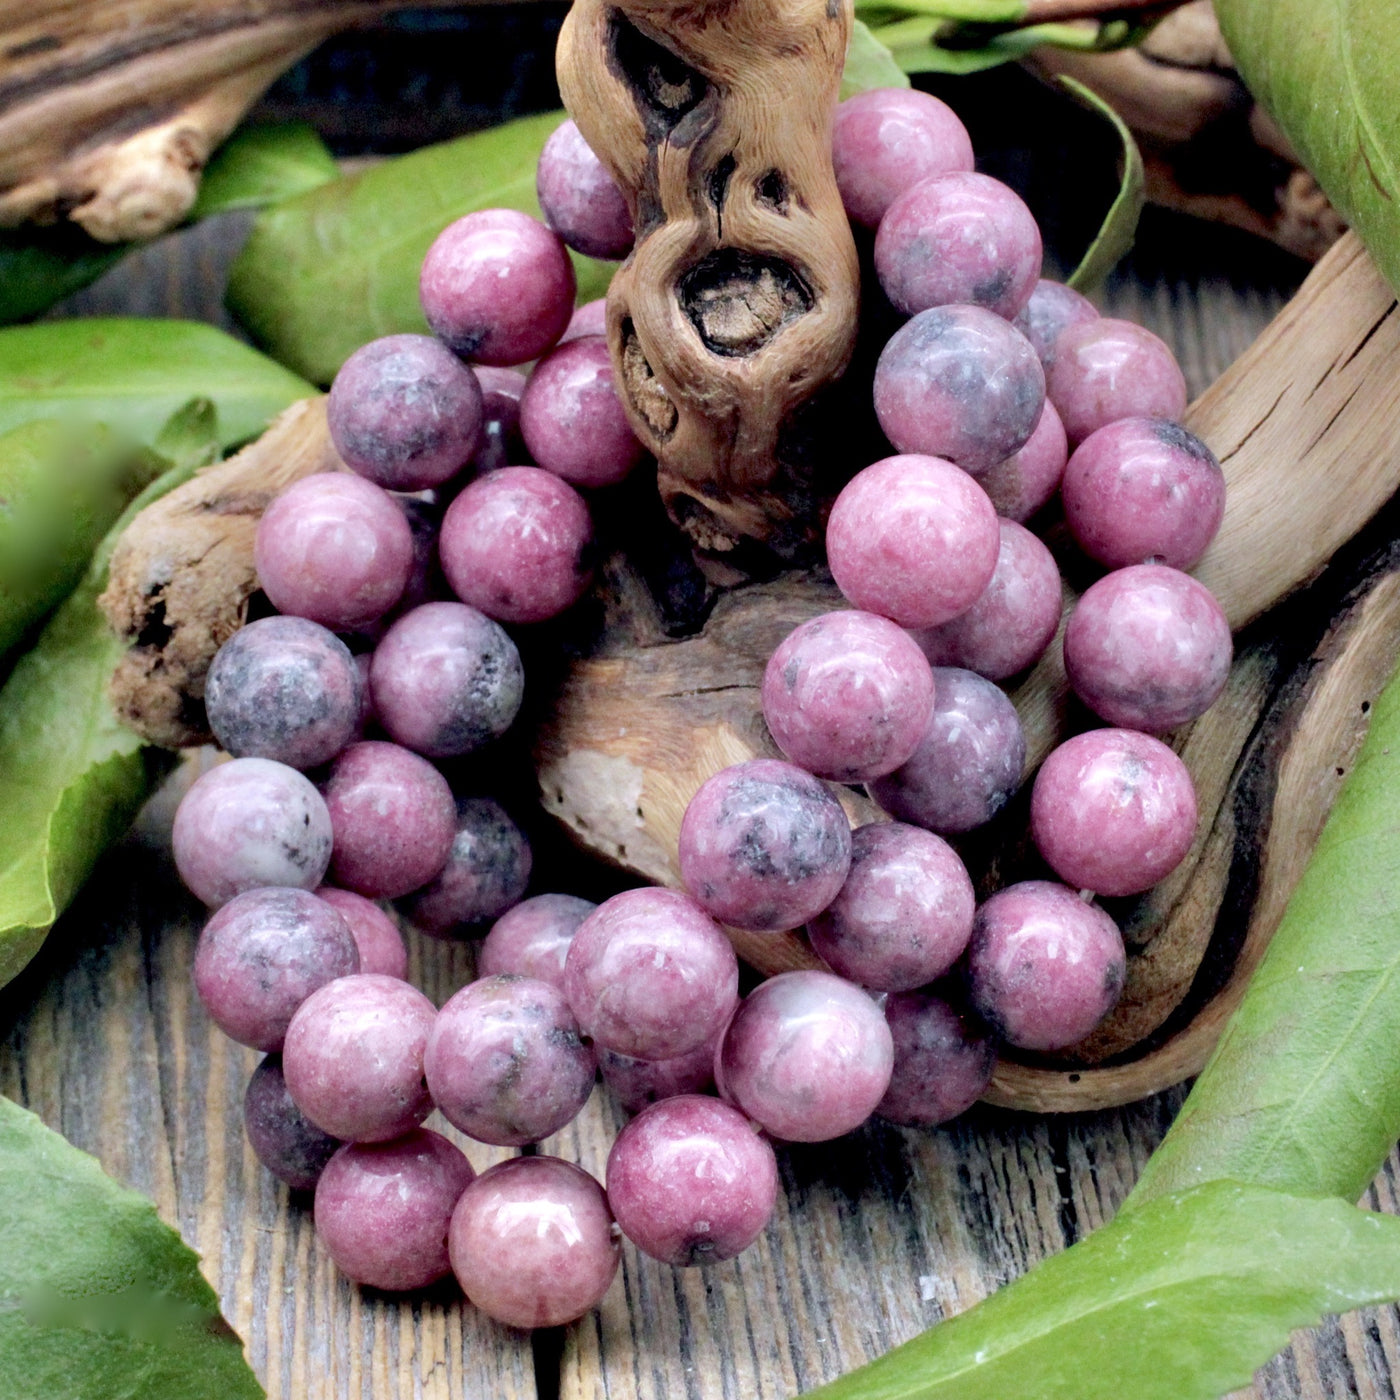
1143, 488
959, 382
518, 545
354, 1057
636, 1083
808, 1056
393, 818
532, 1242
888, 139
250, 823
1148, 648
383, 1209
943, 1060
1051, 310
968, 763
1113, 811
960, 238
572, 419
1104, 370
580, 201
405, 412
1026, 480
262, 955
913, 539
589, 319
498, 287
499, 444
377, 936
505, 1063
764, 846
533, 938
335, 548
904, 915
283, 1139
847, 695
1012, 622
651, 975
1044, 967
691, 1182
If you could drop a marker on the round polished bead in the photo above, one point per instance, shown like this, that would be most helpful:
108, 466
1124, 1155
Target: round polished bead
764, 846
1044, 967
943, 1060
283, 1139
1113, 811
589, 319
377, 936
1148, 648
533, 938
904, 915
847, 696
807, 1056
1051, 310
968, 763
499, 444
691, 1182
532, 1242
1026, 480
580, 201
636, 1083
913, 539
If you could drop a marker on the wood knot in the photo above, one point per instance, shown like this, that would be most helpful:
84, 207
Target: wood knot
738, 301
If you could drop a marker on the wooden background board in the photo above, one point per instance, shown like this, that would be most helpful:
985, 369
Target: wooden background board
876, 1237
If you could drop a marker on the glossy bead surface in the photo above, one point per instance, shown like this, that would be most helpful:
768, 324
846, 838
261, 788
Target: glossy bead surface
904, 915
847, 696
283, 1139
383, 1209
650, 974
487, 870
1143, 488
1113, 811
498, 287
405, 412
913, 539
1044, 967
286, 689
943, 1060
354, 1057
808, 1056
250, 823
958, 239
764, 845
1014, 618
887, 139
1026, 480
580, 201
1105, 369
572, 419
262, 955
393, 818
636, 1083
532, 1242
335, 548
533, 938
691, 1182
1148, 648
499, 444
505, 1062
518, 545
1051, 310
968, 763
959, 382
589, 319
376, 935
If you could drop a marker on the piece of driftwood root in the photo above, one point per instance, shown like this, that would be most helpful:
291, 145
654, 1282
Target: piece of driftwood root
739, 300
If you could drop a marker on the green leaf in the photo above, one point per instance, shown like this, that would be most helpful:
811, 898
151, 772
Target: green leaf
1181, 1300
258, 165
1119, 228
1302, 1092
325, 272
42, 266
1326, 71
133, 374
99, 1299
972, 11
912, 42
71, 775
869, 64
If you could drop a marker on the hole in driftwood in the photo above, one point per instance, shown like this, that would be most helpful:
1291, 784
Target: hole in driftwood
771, 189
665, 86
644, 390
718, 186
738, 301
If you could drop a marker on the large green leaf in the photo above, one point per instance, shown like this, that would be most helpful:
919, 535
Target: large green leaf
99, 1300
1326, 70
327, 271
869, 64
259, 165
133, 374
41, 266
1181, 1300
